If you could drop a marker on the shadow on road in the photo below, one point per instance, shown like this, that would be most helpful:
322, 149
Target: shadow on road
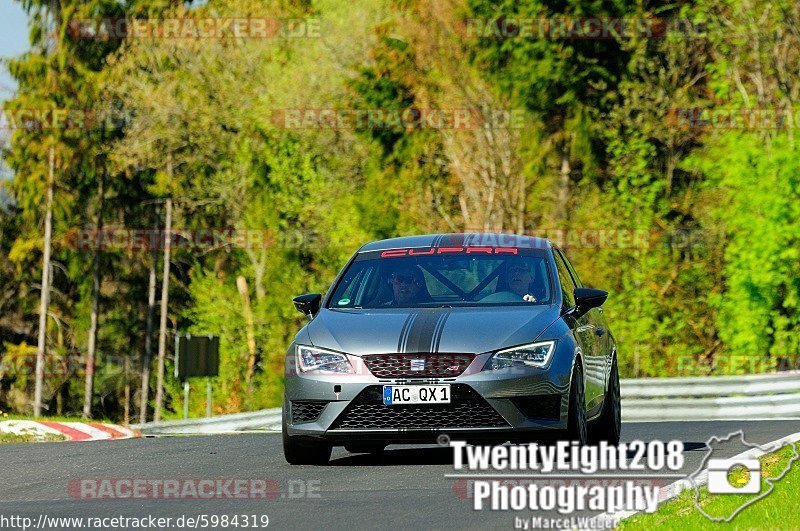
437, 456
399, 456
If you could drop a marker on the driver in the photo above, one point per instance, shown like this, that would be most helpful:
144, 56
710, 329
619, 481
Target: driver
519, 279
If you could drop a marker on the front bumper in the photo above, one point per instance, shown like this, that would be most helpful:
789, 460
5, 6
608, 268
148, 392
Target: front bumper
486, 405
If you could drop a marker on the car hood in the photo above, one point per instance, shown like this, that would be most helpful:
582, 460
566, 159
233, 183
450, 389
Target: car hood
454, 330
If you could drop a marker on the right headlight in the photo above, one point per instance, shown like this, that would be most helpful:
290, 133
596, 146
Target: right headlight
317, 359
531, 355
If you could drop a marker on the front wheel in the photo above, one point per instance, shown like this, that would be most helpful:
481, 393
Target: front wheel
576, 421
305, 451
609, 425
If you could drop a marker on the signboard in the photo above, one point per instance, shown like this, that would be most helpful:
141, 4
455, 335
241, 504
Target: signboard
196, 356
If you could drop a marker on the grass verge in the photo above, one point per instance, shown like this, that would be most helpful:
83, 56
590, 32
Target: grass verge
55, 418
29, 437
778, 510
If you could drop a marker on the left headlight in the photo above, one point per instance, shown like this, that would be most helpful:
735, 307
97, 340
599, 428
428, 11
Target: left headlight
532, 355
317, 359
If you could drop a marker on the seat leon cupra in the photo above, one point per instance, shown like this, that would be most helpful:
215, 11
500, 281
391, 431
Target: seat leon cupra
486, 338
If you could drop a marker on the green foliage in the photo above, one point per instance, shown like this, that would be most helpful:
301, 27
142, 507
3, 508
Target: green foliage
755, 191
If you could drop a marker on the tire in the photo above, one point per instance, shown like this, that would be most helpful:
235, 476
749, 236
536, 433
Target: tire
305, 451
576, 421
608, 425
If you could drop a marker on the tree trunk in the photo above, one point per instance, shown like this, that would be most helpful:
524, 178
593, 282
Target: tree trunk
60, 401
241, 284
45, 294
127, 395
147, 356
162, 330
563, 190
88, 391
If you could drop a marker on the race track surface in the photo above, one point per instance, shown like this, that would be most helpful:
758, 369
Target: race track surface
403, 488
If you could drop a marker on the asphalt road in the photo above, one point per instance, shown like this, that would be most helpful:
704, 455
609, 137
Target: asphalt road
403, 488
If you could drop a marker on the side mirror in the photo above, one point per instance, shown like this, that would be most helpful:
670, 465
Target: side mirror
588, 298
308, 304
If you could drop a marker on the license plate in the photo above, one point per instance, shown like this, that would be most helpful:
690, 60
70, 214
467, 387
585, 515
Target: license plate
394, 395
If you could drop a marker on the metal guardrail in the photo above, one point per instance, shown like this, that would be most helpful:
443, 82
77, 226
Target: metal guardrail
265, 419
760, 396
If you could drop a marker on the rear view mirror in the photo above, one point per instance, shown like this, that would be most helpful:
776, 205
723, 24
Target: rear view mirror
308, 303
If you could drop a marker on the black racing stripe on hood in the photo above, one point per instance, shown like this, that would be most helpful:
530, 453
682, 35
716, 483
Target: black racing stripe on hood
401, 341
420, 336
437, 335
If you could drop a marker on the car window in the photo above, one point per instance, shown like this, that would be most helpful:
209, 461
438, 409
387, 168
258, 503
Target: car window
572, 270
445, 276
565, 280
360, 285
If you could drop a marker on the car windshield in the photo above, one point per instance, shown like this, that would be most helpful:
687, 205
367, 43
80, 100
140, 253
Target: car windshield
431, 277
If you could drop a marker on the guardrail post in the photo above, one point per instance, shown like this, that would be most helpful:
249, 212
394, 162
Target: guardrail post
208, 397
186, 399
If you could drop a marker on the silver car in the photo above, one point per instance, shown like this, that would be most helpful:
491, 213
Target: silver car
480, 337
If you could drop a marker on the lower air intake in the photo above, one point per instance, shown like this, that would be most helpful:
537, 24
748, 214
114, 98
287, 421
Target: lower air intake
307, 410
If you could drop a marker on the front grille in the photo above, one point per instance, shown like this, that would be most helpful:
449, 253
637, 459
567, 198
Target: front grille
466, 410
547, 407
426, 365
307, 410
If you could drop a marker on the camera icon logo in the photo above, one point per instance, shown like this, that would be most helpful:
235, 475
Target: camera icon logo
718, 476
741, 474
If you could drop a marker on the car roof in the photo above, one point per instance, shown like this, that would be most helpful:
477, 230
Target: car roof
472, 239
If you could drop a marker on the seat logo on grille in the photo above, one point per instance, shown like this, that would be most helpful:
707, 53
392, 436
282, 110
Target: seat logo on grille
417, 365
